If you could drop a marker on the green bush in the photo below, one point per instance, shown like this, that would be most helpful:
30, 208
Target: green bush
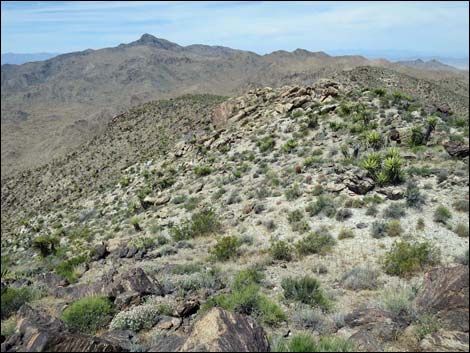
306, 290
360, 278
384, 169
374, 140
323, 205
405, 258
202, 170
345, 233
226, 248
245, 298
201, 224
281, 250
246, 277
87, 315
13, 299
442, 214
413, 196
395, 210
394, 228
461, 230
293, 192
416, 136
318, 242
306, 343
266, 144
67, 268
398, 300
289, 146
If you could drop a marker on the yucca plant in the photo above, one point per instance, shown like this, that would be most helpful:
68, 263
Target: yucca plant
417, 136
431, 123
392, 168
372, 163
374, 140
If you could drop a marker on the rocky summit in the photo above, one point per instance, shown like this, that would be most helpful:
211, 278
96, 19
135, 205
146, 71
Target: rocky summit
330, 215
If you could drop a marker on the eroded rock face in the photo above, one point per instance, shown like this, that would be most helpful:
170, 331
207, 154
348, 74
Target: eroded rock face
222, 331
37, 332
445, 295
358, 182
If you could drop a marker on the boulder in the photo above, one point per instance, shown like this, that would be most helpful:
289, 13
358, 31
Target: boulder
359, 184
100, 252
456, 149
445, 296
187, 308
222, 331
37, 332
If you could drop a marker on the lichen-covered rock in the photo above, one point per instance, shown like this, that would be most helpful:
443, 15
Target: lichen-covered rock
445, 341
222, 331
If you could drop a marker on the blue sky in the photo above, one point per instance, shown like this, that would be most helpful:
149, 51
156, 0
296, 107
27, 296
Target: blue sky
431, 28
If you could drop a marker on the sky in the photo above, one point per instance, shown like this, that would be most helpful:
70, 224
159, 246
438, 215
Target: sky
425, 28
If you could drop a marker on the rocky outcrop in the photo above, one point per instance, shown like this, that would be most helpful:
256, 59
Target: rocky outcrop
445, 296
222, 331
135, 282
456, 149
358, 182
36, 332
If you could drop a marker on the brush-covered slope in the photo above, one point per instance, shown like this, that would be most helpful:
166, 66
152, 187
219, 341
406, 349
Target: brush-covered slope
50, 107
311, 209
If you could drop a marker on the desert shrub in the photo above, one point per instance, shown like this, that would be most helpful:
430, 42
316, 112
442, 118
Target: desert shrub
266, 144
394, 228
225, 248
205, 280
461, 205
307, 317
379, 229
289, 146
372, 210
398, 300
461, 230
306, 290
293, 192
13, 299
360, 278
323, 205
413, 196
426, 325
318, 242
8, 327
442, 214
137, 318
462, 259
281, 250
201, 224
124, 181
89, 314
45, 245
345, 233
306, 343
246, 299
233, 198
135, 223
202, 170
67, 268
183, 269
405, 258
244, 278
395, 210
343, 213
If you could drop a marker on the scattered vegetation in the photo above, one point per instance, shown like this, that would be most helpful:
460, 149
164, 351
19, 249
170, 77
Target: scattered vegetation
306, 343
306, 290
226, 248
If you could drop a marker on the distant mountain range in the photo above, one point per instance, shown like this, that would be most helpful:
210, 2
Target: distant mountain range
48, 107
18, 59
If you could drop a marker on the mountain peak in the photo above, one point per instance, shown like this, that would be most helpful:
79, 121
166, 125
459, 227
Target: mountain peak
150, 40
